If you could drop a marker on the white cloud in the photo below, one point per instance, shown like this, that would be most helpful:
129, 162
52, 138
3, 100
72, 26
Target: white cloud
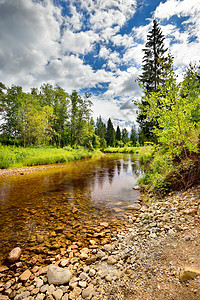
80, 42
123, 84
106, 13
29, 36
182, 8
184, 42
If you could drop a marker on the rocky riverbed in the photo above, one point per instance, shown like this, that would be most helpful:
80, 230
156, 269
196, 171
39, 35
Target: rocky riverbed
155, 256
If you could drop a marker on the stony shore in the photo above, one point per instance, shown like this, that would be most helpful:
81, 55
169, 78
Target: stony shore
143, 261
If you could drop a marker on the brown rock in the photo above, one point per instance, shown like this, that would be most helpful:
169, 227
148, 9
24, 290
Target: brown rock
14, 254
91, 260
111, 260
188, 273
25, 275
3, 268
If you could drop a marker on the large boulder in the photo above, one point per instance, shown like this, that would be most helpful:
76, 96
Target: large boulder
58, 275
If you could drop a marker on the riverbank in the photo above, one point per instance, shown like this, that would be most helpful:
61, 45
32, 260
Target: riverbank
17, 157
142, 260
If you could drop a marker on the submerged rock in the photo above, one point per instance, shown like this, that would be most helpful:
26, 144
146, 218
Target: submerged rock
14, 254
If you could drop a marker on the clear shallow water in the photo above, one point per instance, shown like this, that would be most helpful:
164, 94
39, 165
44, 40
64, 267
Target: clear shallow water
75, 198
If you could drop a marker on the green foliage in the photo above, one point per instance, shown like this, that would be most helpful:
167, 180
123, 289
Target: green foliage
121, 150
175, 108
146, 153
11, 156
125, 138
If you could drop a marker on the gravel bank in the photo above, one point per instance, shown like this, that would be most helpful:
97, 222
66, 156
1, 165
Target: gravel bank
143, 261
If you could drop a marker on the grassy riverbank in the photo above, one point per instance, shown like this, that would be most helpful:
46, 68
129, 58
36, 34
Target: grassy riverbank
14, 157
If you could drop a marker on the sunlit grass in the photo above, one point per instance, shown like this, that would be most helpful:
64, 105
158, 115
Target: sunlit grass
12, 157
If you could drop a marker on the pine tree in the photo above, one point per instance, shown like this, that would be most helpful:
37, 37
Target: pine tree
154, 57
110, 134
118, 134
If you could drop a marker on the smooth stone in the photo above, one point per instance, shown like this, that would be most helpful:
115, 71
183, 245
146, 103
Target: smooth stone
77, 291
50, 289
3, 268
108, 247
90, 260
7, 285
82, 284
111, 260
136, 187
23, 295
92, 272
188, 273
56, 275
14, 254
40, 297
64, 262
25, 275
134, 206
104, 224
58, 294
38, 282
88, 291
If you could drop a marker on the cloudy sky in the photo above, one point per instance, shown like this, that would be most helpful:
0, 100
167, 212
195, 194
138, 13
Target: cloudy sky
93, 45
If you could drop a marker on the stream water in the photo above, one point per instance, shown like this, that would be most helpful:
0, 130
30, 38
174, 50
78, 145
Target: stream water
47, 210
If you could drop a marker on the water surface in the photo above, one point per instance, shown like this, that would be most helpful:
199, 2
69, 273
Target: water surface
63, 205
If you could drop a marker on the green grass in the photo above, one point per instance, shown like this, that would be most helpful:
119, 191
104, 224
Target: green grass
13, 157
121, 150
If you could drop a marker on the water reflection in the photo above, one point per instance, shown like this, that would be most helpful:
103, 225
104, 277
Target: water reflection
70, 197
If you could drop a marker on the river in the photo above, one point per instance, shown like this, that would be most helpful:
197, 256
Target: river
47, 210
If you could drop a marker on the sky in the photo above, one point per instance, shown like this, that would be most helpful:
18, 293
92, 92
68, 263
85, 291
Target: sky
93, 46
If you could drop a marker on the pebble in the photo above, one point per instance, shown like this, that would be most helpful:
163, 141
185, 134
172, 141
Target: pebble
25, 275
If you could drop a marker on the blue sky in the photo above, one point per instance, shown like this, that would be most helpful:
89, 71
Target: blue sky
93, 45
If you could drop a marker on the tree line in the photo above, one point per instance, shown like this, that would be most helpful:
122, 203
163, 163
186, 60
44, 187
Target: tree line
50, 116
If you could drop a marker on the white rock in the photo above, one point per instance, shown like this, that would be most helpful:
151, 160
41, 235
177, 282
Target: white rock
58, 275
58, 294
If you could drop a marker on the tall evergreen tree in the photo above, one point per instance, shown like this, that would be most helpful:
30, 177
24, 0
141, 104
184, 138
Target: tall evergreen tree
152, 65
118, 134
133, 136
110, 134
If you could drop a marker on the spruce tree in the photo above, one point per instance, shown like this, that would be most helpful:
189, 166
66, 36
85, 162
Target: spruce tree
152, 65
110, 134
118, 134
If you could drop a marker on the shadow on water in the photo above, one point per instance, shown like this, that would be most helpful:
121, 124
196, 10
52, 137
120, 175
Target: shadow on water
52, 208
